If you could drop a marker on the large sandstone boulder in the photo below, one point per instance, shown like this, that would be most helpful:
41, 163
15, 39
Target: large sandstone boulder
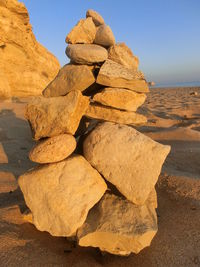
118, 226
120, 98
60, 195
115, 75
53, 149
86, 53
26, 66
83, 33
97, 18
56, 115
126, 158
104, 36
70, 77
123, 55
110, 114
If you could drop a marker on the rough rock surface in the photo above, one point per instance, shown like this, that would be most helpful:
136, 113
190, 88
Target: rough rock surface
5, 90
123, 55
104, 36
120, 98
56, 115
126, 158
86, 53
110, 114
115, 75
53, 149
70, 77
97, 18
152, 198
60, 195
26, 66
118, 226
83, 33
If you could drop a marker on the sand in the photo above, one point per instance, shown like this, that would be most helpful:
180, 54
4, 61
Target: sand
174, 118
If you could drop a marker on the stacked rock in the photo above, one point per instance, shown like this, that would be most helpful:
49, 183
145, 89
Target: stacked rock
104, 194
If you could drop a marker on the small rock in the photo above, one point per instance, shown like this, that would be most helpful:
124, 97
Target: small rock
83, 33
123, 55
126, 158
53, 149
86, 53
104, 36
120, 98
97, 18
56, 115
110, 114
60, 194
69, 78
115, 75
194, 93
118, 226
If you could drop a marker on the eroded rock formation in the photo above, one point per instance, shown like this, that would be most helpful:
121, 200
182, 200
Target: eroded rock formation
26, 67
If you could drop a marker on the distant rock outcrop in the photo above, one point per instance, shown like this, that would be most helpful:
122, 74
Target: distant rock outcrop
26, 67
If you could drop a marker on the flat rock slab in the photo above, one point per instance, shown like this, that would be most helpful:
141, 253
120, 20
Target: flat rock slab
60, 195
104, 36
123, 55
56, 115
96, 17
70, 77
118, 226
86, 53
115, 75
53, 149
120, 98
126, 158
110, 114
83, 33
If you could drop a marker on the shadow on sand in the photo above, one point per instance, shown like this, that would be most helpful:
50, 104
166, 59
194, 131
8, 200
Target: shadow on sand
15, 144
15, 141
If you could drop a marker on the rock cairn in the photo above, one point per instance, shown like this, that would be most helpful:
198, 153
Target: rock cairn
103, 193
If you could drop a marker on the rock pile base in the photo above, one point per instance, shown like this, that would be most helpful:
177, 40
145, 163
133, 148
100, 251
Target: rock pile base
97, 174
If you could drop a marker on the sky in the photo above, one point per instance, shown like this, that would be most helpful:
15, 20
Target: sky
165, 35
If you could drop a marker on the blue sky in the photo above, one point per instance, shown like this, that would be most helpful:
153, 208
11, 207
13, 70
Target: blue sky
165, 35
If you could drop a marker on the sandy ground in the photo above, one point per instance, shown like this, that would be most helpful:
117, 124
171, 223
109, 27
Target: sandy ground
174, 118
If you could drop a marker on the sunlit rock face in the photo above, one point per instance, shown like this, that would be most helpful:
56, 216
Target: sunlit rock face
26, 66
118, 226
61, 194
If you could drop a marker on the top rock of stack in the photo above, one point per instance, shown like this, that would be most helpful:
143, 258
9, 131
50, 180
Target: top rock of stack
97, 18
83, 33
91, 30
104, 36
